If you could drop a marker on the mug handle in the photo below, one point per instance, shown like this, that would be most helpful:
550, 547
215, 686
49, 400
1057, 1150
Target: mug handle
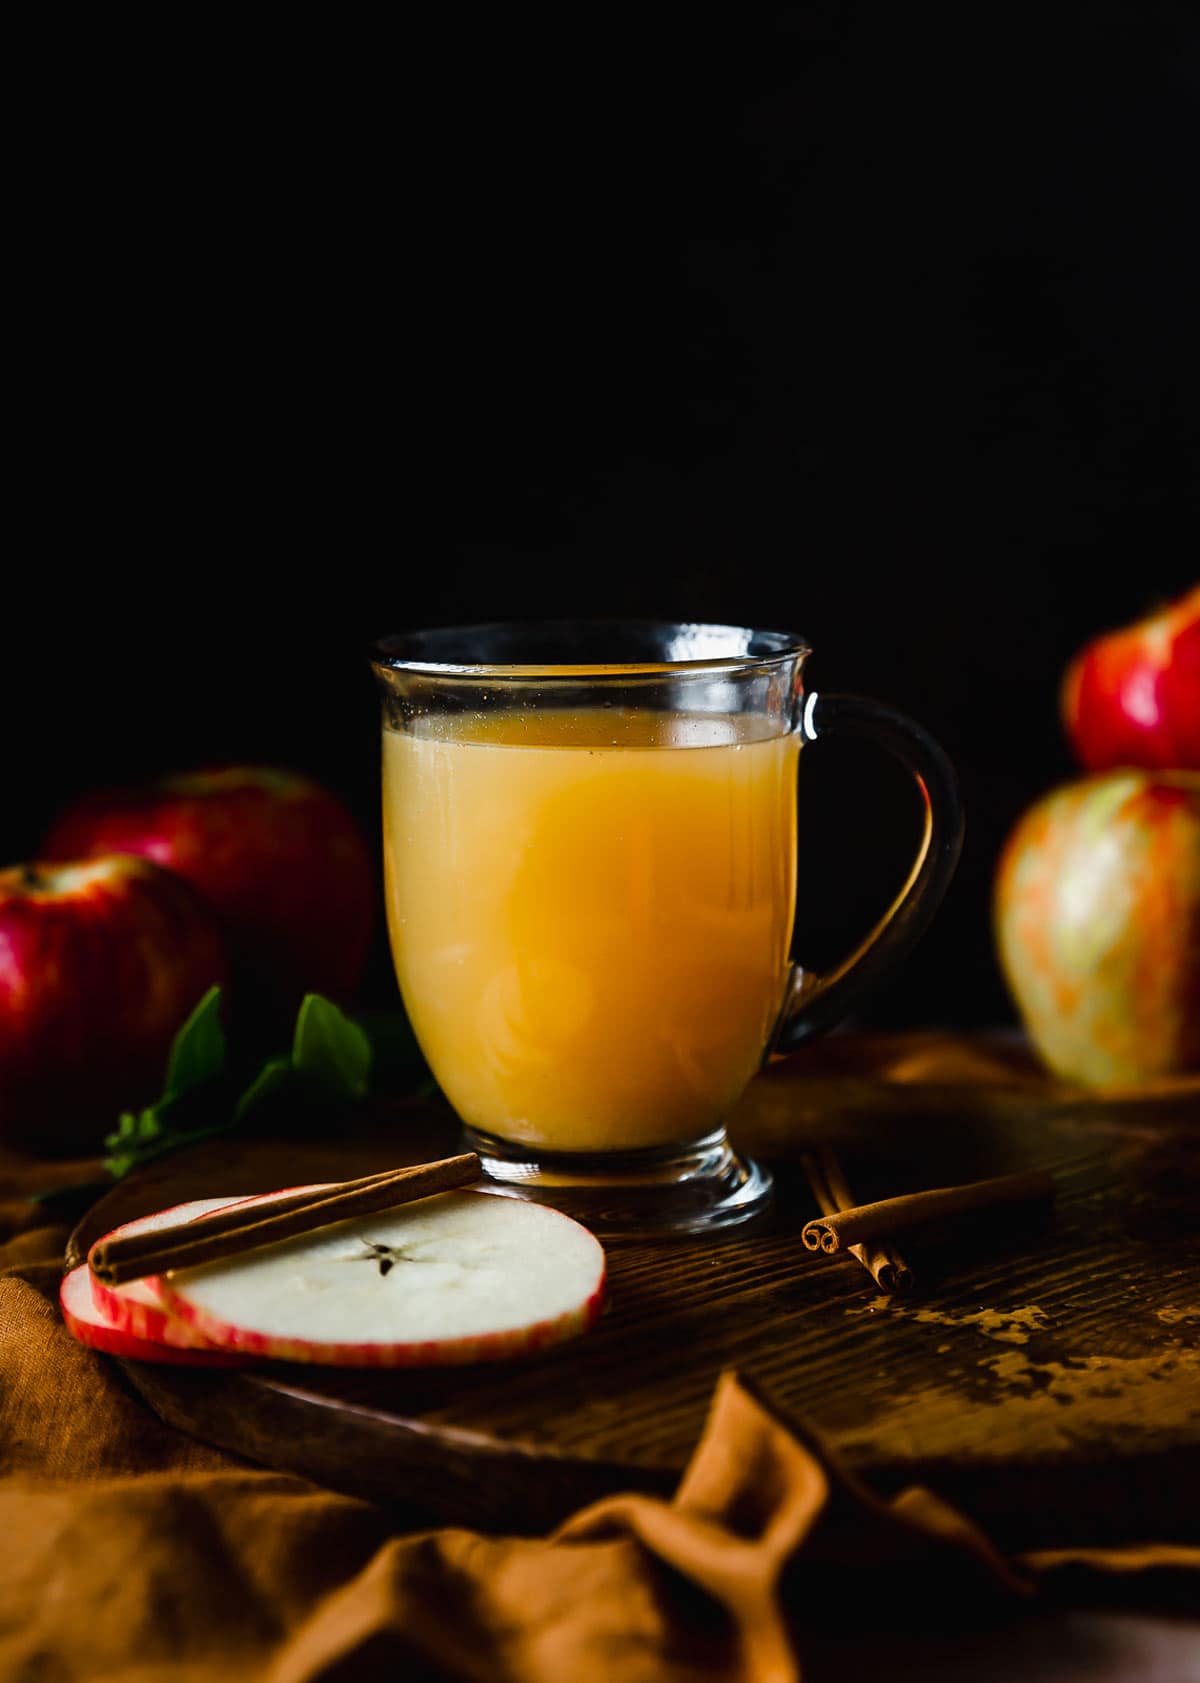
815, 1003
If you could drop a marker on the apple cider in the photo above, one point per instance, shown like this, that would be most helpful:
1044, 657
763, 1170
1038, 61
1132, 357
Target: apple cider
591, 912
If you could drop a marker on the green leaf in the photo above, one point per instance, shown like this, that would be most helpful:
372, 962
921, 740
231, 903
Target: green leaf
331, 1059
147, 1133
126, 1129
275, 1074
122, 1162
199, 1049
136, 1126
330, 1046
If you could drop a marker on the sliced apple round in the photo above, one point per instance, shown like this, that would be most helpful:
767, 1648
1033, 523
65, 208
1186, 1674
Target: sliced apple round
89, 1325
459, 1277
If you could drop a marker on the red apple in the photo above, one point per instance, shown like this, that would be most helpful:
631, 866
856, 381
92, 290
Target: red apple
281, 859
1132, 697
1097, 922
100, 962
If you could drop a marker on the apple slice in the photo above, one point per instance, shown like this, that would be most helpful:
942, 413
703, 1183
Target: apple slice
129, 1320
88, 1324
134, 1307
459, 1277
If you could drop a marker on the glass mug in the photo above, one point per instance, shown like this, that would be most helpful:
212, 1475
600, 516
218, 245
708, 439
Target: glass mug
590, 873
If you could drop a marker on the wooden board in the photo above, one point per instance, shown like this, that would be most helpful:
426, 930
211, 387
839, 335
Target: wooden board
1046, 1377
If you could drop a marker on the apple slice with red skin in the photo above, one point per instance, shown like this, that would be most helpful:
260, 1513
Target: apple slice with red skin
134, 1307
456, 1278
89, 1325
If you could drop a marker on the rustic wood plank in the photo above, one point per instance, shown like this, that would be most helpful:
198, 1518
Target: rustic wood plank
1047, 1375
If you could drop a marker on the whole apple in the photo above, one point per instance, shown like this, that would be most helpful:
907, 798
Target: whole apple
1132, 697
100, 962
280, 858
1097, 923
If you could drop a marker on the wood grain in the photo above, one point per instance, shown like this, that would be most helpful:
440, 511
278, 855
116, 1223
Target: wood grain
1046, 1375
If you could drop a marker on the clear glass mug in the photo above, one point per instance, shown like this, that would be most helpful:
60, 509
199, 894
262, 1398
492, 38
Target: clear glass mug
590, 874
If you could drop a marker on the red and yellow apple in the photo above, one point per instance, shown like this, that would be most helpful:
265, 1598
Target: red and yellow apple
1097, 925
280, 858
100, 962
1132, 697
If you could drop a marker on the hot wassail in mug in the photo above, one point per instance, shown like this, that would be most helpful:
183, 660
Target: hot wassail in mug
590, 871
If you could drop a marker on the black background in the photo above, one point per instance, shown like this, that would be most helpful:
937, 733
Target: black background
869, 321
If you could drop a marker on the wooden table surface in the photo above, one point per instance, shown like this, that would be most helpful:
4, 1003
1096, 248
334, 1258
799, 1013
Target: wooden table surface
1046, 1374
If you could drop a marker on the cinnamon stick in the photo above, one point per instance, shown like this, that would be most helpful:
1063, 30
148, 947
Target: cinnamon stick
883, 1261
834, 1232
245, 1226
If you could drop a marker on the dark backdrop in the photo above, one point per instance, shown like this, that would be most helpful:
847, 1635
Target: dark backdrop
875, 325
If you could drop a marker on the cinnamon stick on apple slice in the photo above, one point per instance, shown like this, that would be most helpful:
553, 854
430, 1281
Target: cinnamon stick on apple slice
234, 1228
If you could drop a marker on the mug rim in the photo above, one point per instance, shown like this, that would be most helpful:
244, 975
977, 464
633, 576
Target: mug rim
400, 651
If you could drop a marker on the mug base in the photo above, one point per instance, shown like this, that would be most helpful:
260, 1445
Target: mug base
693, 1188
